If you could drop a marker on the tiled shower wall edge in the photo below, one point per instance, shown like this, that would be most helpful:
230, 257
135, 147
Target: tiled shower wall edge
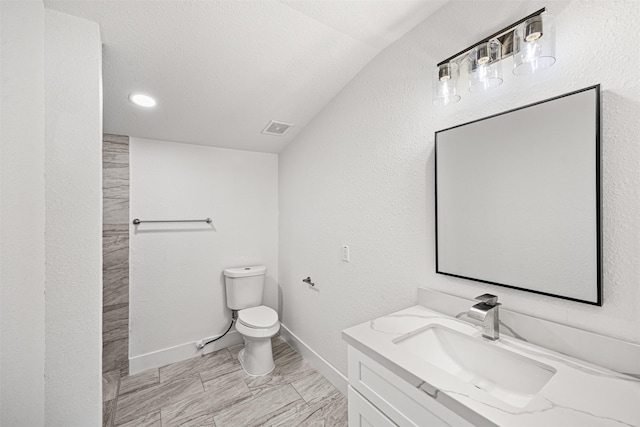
115, 254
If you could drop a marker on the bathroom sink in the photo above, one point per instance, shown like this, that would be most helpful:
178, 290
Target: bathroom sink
507, 376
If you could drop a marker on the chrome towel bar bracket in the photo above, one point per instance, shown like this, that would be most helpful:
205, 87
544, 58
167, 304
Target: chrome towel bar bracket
137, 221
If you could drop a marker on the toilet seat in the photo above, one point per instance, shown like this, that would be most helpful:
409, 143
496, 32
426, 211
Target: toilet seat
260, 317
258, 322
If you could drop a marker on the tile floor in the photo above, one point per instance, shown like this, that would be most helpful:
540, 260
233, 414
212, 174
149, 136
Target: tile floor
214, 391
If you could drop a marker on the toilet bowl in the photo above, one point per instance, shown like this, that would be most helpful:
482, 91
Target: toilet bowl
256, 323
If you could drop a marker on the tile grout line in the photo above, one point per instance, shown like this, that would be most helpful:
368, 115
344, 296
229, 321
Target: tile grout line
297, 392
202, 382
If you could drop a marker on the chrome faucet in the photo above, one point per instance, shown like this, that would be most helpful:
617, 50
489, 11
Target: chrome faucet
486, 311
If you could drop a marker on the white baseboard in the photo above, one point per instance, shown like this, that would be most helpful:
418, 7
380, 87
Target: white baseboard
325, 368
180, 352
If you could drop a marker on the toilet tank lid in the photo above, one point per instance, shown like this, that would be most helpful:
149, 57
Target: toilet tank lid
245, 271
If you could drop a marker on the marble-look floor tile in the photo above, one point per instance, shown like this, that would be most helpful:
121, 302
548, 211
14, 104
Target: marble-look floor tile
115, 322
150, 420
115, 356
266, 405
137, 382
302, 415
110, 383
235, 349
135, 405
290, 367
108, 413
335, 410
283, 353
226, 398
232, 382
202, 421
220, 393
314, 387
218, 361
219, 365
279, 346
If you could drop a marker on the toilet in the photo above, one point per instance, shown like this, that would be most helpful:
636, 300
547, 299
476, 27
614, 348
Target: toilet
256, 323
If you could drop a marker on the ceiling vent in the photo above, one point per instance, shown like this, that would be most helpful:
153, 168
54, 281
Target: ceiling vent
276, 128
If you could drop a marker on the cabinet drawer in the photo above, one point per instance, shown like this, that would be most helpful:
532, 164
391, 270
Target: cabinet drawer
402, 402
363, 414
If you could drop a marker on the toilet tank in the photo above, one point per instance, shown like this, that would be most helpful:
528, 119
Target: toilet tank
245, 286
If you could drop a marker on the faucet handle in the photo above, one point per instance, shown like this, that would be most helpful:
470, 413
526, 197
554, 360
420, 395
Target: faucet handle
488, 299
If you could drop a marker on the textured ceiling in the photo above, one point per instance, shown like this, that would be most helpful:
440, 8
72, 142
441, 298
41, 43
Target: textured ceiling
220, 70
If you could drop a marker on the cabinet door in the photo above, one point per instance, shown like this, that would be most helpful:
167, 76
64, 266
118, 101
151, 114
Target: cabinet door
363, 414
403, 403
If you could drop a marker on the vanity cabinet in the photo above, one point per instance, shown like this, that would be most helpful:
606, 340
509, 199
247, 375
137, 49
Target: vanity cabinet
378, 397
363, 414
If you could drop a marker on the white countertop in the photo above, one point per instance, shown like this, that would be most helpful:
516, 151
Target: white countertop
579, 394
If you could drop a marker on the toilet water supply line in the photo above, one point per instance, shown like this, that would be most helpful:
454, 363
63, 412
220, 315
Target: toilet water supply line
200, 345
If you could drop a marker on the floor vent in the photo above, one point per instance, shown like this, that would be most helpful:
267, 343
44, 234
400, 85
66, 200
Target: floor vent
276, 128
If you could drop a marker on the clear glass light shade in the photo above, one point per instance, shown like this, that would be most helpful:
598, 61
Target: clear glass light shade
485, 68
445, 84
534, 45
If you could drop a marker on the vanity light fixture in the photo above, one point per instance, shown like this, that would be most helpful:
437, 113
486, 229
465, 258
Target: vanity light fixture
142, 100
445, 84
531, 42
485, 68
534, 45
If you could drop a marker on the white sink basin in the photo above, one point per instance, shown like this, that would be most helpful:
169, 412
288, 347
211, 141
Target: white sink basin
510, 377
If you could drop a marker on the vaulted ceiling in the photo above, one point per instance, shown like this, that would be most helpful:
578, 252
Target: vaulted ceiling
221, 70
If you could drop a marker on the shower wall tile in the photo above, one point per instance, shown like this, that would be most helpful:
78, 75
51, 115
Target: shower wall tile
115, 183
115, 165
115, 322
115, 356
115, 287
115, 152
115, 215
115, 254
120, 139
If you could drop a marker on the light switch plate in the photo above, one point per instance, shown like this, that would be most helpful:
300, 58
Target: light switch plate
345, 253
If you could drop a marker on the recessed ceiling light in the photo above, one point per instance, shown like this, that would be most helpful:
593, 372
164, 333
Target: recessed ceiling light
142, 100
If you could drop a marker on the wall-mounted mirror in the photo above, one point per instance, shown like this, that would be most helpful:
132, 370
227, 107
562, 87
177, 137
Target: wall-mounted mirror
518, 200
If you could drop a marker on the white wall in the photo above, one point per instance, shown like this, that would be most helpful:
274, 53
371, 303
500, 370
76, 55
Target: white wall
176, 284
22, 214
362, 174
73, 169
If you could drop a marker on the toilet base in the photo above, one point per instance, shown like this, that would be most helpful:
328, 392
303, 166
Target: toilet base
256, 357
